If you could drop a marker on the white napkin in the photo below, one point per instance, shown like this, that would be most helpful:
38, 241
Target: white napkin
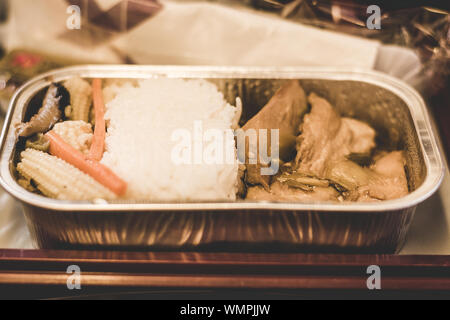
214, 34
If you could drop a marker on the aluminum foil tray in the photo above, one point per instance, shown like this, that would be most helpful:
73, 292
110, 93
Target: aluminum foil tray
394, 109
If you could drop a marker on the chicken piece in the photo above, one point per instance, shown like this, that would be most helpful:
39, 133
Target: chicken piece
282, 192
392, 182
284, 112
362, 136
385, 180
326, 137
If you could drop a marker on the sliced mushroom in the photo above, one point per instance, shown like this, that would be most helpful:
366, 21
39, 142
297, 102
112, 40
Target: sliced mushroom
49, 114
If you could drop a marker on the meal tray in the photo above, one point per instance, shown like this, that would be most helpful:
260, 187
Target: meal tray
394, 109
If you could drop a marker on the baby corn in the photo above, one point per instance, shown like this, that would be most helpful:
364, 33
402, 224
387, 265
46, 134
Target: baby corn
57, 179
80, 99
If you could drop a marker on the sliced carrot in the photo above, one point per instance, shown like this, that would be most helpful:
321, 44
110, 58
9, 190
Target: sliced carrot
98, 141
61, 149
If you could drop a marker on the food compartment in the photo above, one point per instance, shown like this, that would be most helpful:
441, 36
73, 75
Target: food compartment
382, 110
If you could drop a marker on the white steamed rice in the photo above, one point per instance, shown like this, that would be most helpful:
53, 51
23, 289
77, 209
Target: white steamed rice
141, 121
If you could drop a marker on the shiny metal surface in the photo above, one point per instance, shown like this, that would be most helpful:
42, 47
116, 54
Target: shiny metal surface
395, 110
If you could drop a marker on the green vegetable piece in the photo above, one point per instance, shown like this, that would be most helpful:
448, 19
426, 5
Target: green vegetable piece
349, 175
38, 142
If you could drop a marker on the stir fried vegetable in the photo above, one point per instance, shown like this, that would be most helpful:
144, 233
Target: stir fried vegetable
98, 142
80, 99
62, 150
38, 142
348, 174
57, 179
76, 133
47, 116
300, 181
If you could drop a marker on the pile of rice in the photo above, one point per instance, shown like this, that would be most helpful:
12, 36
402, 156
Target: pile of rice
141, 120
